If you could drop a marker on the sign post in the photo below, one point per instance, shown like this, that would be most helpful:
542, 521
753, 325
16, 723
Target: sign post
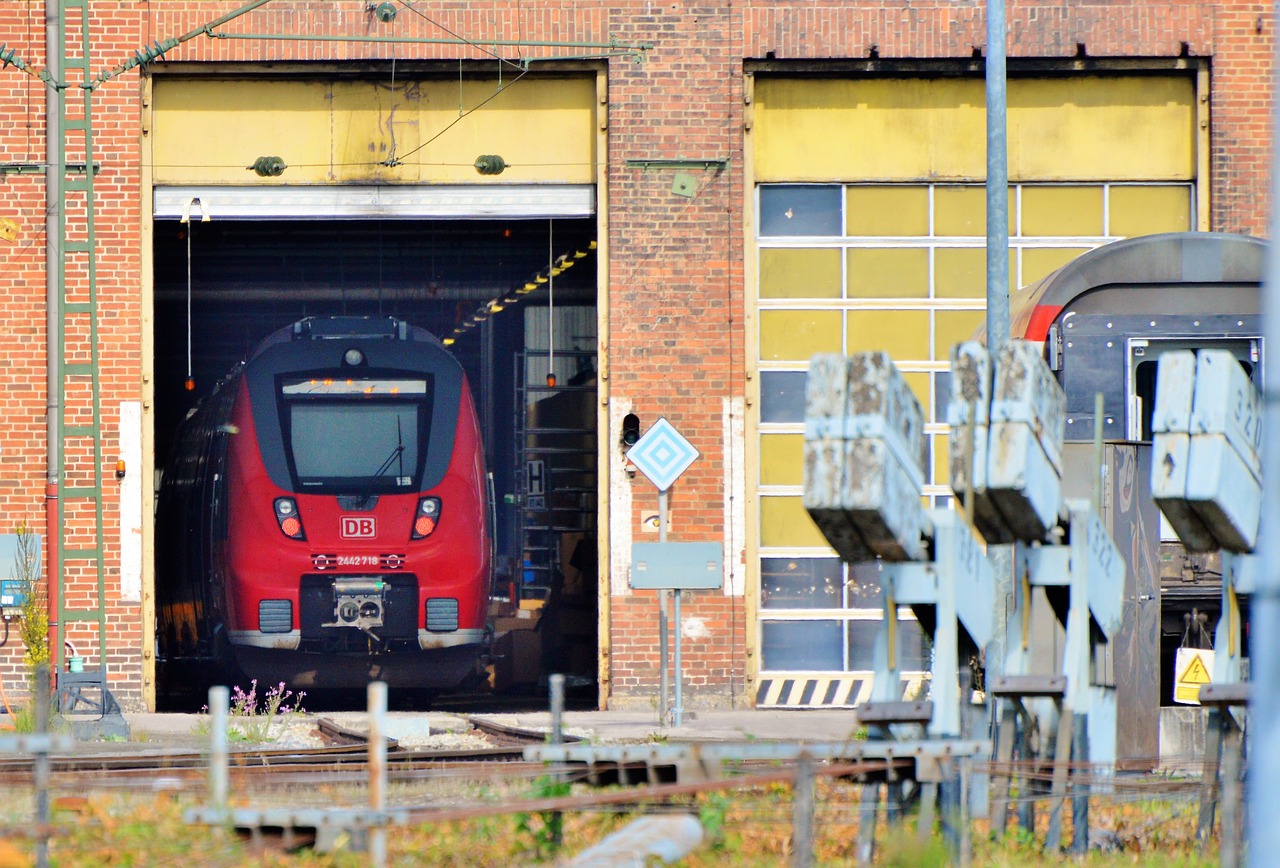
662, 454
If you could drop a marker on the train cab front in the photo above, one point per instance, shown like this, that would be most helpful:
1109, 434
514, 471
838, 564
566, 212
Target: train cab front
358, 541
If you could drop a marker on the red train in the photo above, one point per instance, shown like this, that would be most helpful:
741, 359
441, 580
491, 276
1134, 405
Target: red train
324, 518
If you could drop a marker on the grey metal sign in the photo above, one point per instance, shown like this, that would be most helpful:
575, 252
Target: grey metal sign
676, 566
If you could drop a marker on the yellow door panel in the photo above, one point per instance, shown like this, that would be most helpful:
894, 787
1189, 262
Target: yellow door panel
1075, 128
785, 522
1090, 128
960, 272
963, 210
941, 459
1148, 210
882, 210
782, 459
918, 382
207, 131
895, 272
800, 273
1039, 262
950, 327
878, 129
795, 335
904, 334
1061, 211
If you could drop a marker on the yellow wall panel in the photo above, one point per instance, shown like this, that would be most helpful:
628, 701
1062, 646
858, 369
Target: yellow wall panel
901, 272
1038, 262
960, 272
904, 334
950, 327
797, 334
800, 272
897, 210
785, 523
1061, 211
1148, 210
782, 459
206, 131
1074, 128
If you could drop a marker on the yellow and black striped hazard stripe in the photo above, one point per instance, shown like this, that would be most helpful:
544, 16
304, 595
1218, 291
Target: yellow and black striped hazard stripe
825, 690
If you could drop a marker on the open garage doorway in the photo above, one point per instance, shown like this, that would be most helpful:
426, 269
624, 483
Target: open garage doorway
525, 336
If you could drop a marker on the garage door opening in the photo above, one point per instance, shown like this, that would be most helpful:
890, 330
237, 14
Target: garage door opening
515, 301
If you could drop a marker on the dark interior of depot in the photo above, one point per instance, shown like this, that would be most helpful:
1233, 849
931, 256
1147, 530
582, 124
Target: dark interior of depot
222, 289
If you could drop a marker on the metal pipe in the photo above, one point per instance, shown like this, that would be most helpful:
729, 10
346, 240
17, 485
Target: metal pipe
438, 40
1001, 556
219, 704
663, 628
677, 713
377, 694
997, 183
1264, 712
55, 171
802, 813
556, 683
41, 770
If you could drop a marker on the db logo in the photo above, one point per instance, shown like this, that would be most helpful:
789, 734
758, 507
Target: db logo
358, 527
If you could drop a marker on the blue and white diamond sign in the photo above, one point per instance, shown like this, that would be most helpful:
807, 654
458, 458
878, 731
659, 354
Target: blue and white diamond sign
662, 454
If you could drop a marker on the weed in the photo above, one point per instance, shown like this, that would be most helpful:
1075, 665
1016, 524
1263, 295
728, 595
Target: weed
24, 718
712, 814
251, 719
34, 627
545, 828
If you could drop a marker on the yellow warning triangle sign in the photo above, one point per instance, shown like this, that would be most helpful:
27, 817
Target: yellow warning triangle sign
1194, 672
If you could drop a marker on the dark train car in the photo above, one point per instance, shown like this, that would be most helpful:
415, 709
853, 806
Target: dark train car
324, 519
1105, 318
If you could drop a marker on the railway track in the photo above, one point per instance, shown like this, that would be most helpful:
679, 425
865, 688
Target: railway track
345, 749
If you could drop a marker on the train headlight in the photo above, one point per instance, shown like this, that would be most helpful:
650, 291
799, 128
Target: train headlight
426, 517
353, 358
287, 517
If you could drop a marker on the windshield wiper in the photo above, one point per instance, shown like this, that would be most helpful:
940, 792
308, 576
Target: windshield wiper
397, 452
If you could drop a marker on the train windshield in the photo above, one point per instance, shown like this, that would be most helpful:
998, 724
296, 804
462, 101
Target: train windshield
355, 435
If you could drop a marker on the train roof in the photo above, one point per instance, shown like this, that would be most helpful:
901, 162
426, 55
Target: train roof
337, 327
1169, 258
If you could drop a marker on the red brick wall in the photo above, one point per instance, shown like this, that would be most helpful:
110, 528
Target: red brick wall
677, 336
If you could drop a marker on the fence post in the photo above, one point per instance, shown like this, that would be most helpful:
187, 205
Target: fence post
802, 813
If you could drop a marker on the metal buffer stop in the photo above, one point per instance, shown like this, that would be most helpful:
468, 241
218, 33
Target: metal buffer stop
1206, 477
864, 460
1009, 472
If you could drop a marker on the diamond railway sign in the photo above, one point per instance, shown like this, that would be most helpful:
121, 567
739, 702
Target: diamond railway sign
662, 454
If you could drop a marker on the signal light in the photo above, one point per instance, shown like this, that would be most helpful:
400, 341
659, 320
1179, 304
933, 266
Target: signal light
286, 509
190, 384
630, 430
426, 517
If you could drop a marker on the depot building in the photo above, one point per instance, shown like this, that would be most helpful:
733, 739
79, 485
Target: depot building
683, 205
